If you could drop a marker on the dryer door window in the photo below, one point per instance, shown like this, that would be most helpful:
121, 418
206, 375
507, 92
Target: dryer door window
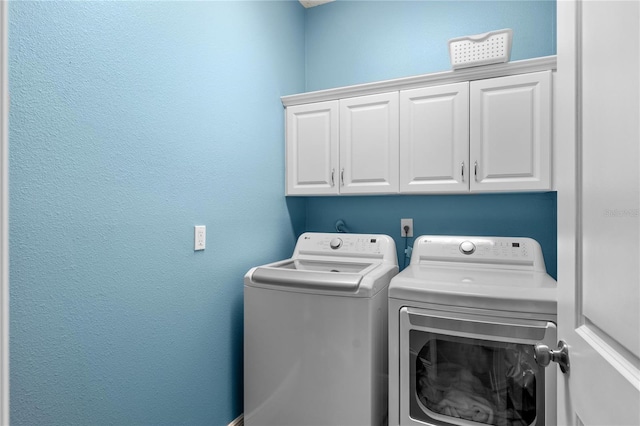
479, 380
459, 371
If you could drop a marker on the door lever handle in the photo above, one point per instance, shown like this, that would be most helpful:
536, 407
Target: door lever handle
544, 356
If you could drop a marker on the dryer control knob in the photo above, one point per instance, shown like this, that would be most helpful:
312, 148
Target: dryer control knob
467, 247
335, 243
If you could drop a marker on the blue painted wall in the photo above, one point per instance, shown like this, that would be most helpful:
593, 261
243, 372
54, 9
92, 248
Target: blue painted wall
351, 42
513, 215
130, 123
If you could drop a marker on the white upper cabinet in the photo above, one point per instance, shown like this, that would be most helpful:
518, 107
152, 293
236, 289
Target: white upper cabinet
482, 129
510, 129
369, 144
434, 139
343, 147
485, 136
312, 148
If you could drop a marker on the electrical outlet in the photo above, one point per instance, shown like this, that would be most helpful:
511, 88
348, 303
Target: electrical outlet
200, 237
409, 223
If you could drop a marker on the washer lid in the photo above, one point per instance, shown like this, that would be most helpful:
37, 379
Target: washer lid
350, 265
482, 288
341, 276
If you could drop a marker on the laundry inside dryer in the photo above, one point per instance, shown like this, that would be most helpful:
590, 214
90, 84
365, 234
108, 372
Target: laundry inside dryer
479, 380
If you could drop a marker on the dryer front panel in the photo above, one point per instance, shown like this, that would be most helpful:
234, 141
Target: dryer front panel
461, 369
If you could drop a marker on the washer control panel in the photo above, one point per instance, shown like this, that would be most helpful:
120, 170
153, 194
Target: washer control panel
338, 244
507, 251
335, 243
348, 244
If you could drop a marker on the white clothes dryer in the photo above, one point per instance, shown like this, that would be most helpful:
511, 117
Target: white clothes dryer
315, 333
464, 318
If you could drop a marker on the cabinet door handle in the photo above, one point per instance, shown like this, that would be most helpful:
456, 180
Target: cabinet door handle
462, 169
333, 172
342, 177
475, 170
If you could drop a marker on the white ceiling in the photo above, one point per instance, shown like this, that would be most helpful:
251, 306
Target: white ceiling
312, 3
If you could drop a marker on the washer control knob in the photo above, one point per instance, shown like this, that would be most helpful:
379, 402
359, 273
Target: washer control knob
467, 247
335, 243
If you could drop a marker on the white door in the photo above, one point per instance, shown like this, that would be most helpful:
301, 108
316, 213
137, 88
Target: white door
312, 148
511, 133
369, 151
598, 211
434, 139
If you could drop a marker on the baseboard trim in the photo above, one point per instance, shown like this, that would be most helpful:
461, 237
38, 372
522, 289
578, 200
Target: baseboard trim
238, 421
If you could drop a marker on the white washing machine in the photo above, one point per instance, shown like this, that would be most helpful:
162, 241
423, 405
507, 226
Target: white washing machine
464, 320
315, 333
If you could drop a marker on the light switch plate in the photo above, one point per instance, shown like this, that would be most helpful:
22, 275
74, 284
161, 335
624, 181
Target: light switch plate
200, 237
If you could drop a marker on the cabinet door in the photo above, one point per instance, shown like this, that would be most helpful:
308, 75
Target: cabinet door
312, 148
511, 133
434, 139
369, 144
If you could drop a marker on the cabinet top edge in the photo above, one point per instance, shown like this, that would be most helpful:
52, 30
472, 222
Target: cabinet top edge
544, 63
